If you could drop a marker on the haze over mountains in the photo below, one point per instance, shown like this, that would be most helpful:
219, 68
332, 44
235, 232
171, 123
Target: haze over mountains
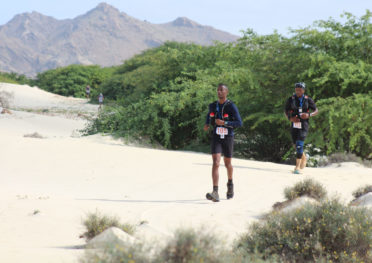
32, 42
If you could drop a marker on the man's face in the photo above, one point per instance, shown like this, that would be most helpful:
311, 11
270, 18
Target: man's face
299, 92
222, 92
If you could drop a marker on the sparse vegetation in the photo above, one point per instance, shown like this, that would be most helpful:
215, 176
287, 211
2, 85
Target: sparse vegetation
306, 187
330, 232
186, 246
34, 135
96, 223
325, 232
362, 191
343, 157
189, 245
116, 253
5, 97
36, 211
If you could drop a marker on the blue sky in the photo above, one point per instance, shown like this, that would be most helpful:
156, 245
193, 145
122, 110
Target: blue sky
234, 15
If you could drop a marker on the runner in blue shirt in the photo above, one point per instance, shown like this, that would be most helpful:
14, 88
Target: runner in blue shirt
223, 116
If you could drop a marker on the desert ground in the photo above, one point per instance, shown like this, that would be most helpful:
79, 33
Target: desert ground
48, 185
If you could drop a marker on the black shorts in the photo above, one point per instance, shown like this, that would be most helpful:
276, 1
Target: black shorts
224, 146
298, 134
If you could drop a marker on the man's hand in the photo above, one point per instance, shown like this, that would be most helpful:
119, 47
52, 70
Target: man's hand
305, 116
294, 119
220, 122
206, 127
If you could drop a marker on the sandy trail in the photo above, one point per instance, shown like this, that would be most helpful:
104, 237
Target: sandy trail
47, 186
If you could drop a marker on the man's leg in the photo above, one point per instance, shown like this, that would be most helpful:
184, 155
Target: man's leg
228, 148
216, 157
230, 185
216, 165
215, 176
303, 161
229, 167
299, 154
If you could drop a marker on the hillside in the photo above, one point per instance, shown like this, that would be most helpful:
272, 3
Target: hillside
32, 42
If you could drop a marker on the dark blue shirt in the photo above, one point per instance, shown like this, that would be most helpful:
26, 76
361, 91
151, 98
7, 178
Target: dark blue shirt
230, 108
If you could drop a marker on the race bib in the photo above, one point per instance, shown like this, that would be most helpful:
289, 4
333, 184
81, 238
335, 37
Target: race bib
297, 125
222, 131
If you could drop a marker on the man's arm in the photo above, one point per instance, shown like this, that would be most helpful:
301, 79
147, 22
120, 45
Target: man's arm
208, 119
312, 107
287, 108
237, 122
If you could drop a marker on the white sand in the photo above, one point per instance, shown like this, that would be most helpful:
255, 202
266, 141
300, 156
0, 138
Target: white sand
62, 177
26, 97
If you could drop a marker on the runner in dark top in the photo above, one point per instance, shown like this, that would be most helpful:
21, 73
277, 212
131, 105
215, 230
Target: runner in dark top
297, 110
87, 91
223, 116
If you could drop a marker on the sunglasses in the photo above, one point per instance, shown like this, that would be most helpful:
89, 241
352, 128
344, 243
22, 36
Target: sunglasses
298, 85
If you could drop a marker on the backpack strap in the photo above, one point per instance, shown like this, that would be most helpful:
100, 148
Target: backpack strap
306, 104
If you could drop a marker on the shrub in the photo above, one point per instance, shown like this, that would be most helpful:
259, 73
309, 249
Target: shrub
114, 253
344, 157
96, 223
313, 233
341, 125
306, 187
72, 80
34, 135
5, 97
362, 191
189, 245
14, 78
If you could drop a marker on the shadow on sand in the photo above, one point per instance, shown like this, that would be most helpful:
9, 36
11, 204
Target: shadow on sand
189, 202
243, 167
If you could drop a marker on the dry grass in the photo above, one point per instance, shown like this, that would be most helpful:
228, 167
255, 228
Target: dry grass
34, 135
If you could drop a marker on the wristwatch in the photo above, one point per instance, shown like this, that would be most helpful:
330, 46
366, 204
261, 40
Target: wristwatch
225, 123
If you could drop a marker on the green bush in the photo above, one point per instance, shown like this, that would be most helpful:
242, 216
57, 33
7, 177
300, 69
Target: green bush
15, 78
343, 157
313, 233
342, 126
362, 191
163, 93
116, 253
306, 187
72, 80
96, 223
189, 245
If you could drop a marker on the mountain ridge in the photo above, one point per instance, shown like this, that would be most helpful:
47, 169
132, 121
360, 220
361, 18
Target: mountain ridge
33, 42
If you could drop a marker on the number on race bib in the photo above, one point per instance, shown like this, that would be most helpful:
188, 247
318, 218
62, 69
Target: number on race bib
297, 125
222, 131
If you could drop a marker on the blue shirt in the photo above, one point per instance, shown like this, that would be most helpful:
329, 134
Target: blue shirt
230, 108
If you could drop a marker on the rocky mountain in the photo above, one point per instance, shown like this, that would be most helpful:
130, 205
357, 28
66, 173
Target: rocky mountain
32, 42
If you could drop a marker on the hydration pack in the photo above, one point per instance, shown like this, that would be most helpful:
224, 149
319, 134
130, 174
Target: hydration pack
295, 110
214, 113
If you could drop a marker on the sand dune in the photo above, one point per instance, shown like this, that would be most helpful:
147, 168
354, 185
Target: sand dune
49, 185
